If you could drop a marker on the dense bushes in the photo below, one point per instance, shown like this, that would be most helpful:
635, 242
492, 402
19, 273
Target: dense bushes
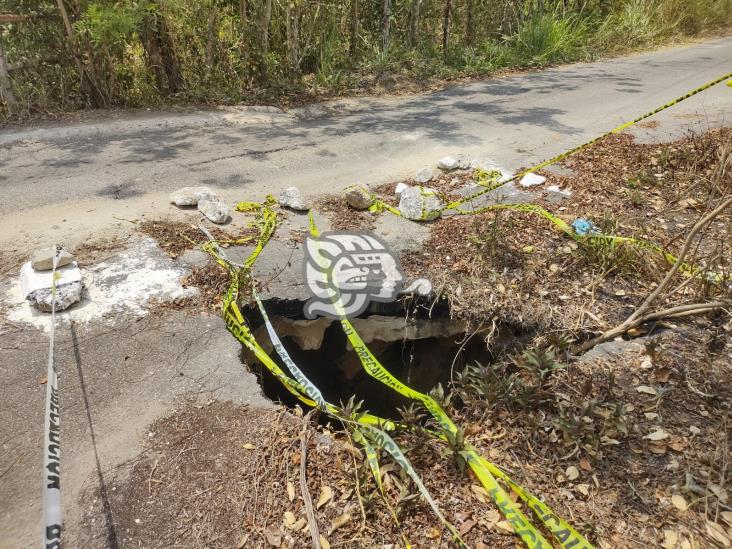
99, 53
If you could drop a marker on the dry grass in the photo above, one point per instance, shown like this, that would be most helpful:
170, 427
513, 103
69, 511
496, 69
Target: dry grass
519, 268
176, 237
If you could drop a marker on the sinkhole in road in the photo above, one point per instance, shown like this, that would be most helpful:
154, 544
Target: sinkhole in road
416, 340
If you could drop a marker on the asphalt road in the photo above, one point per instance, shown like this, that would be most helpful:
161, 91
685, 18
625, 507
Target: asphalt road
127, 162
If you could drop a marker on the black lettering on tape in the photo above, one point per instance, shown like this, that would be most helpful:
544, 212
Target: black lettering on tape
54, 483
562, 535
53, 532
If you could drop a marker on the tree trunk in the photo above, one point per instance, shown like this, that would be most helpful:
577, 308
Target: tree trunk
469, 28
353, 52
385, 24
87, 84
6, 88
414, 23
210, 40
264, 29
161, 54
293, 38
446, 27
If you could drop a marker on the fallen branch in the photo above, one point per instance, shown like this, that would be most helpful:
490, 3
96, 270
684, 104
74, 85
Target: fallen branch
639, 316
312, 523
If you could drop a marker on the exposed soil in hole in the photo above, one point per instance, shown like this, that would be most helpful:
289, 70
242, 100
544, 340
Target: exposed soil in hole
421, 346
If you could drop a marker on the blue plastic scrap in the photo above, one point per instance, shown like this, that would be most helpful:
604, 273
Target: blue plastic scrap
583, 227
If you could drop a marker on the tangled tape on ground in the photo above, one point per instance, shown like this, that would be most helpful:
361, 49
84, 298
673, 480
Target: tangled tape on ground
370, 430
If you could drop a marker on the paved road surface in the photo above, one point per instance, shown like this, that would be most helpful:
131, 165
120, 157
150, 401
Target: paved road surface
126, 163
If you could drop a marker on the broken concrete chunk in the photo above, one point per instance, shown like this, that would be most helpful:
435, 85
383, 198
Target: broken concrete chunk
464, 163
490, 166
292, 198
420, 203
215, 210
423, 176
400, 188
556, 195
36, 286
189, 196
506, 194
43, 259
447, 163
358, 197
531, 179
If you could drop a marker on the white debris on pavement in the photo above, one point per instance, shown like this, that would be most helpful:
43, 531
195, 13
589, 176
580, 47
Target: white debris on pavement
554, 189
532, 179
121, 286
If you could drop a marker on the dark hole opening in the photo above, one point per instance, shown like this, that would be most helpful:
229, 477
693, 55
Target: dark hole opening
417, 342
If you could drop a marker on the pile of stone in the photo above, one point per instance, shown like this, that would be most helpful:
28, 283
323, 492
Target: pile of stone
420, 203
205, 199
36, 280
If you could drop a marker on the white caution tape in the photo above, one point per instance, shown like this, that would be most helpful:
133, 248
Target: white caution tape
52, 518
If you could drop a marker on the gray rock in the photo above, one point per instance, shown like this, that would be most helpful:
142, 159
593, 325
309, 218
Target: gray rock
447, 163
555, 195
463, 162
215, 210
489, 166
401, 234
505, 194
189, 196
560, 170
423, 176
292, 198
36, 286
358, 197
400, 188
420, 203
43, 259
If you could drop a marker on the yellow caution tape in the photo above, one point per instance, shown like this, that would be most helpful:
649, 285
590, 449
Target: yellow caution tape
522, 526
624, 126
372, 459
365, 428
491, 180
368, 427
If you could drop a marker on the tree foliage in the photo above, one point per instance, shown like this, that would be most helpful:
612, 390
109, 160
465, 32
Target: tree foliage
148, 52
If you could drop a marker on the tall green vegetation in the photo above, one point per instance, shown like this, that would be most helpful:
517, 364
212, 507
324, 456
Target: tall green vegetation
61, 55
